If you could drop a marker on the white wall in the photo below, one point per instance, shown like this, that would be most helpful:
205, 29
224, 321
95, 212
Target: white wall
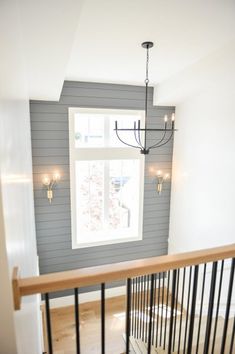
203, 189
202, 211
19, 331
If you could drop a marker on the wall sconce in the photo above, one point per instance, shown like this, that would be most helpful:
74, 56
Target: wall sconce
50, 183
161, 178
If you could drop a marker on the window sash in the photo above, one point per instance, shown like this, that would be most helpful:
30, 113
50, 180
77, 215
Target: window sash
106, 112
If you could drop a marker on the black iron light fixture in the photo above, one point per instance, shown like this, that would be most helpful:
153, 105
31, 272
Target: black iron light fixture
167, 131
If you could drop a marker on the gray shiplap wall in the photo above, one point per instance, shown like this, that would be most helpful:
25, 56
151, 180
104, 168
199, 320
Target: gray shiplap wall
50, 150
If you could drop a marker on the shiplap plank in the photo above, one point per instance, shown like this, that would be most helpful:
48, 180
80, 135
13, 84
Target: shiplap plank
55, 231
104, 86
49, 135
48, 152
48, 117
101, 93
56, 201
48, 143
47, 126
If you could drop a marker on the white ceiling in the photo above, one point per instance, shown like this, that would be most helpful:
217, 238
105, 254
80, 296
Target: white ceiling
107, 45
48, 32
101, 40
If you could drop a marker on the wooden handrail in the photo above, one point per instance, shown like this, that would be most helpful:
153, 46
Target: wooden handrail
112, 272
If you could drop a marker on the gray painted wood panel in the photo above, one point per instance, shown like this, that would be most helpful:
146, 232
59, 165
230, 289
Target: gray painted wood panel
50, 150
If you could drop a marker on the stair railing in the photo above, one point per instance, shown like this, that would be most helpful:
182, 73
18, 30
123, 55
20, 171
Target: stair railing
166, 299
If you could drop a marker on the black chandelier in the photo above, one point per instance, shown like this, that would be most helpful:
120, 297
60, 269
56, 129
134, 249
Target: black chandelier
167, 131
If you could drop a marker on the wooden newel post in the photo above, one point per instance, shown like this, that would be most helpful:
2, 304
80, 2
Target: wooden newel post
16, 288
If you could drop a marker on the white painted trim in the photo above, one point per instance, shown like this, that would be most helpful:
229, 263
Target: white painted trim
104, 153
110, 241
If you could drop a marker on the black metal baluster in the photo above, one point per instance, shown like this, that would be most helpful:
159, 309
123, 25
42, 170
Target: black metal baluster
162, 309
218, 304
229, 297
154, 309
137, 314
176, 302
210, 308
138, 306
172, 310
128, 310
143, 312
103, 318
181, 309
150, 314
201, 307
193, 306
187, 314
231, 351
167, 299
77, 320
48, 321
147, 311
140, 310
158, 303
134, 307
136, 326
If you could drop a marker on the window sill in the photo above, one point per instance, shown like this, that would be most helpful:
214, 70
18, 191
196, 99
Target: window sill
107, 242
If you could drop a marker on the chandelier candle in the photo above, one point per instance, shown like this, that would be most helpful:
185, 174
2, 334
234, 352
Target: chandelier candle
166, 133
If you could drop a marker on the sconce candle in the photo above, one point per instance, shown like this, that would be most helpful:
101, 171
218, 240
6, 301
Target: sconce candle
50, 183
160, 180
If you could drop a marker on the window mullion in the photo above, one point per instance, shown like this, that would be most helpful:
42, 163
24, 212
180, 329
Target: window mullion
106, 131
106, 193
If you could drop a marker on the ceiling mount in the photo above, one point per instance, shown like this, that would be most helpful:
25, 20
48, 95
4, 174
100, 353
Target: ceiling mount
147, 45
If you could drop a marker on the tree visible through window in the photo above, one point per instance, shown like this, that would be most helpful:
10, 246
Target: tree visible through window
106, 179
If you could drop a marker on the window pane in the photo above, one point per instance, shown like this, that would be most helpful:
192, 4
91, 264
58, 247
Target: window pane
97, 129
107, 199
90, 195
123, 194
89, 130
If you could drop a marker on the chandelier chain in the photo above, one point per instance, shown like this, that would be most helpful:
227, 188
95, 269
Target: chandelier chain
147, 67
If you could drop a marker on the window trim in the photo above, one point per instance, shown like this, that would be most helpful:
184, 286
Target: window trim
102, 153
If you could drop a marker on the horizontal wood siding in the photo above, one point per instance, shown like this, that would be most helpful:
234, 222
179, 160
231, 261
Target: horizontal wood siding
50, 149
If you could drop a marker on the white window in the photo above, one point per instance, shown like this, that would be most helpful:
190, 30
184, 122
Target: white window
106, 178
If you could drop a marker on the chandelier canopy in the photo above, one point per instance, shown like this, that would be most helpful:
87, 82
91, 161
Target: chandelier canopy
166, 132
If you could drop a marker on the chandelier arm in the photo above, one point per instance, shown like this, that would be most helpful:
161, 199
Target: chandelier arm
154, 147
140, 139
159, 142
137, 147
137, 139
